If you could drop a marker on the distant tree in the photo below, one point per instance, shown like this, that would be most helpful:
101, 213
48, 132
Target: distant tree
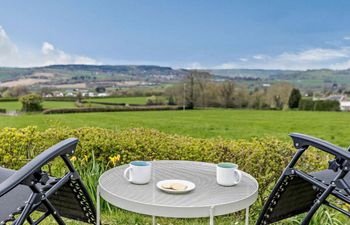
171, 100
195, 88
16, 91
45, 91
100, 89
31, 103
294, 98
155, 100
189, 91
79, 97
226, 92
277, 95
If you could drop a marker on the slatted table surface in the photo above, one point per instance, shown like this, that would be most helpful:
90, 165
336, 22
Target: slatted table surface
208, 199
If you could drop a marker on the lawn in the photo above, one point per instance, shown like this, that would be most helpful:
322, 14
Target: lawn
12, 106
231, 124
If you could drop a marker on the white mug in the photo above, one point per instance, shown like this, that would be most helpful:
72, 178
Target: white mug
227, 174
138, 172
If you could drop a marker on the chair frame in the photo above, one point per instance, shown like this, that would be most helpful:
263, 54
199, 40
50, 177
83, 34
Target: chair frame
341, 165
37, 180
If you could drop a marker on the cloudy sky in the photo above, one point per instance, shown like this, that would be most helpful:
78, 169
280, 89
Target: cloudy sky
274, 34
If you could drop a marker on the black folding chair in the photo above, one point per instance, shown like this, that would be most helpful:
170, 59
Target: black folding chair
31, 189
297, 192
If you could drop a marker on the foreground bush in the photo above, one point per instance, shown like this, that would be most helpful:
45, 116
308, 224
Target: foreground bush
262, 158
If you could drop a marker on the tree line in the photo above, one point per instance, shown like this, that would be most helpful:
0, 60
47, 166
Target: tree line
198, 89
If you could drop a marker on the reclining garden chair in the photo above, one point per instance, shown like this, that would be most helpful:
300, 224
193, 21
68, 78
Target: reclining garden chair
297, 192
31, 189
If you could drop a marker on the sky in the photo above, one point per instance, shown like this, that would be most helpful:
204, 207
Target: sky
221, 34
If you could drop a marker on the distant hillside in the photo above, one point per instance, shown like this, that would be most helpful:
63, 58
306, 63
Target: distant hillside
85, 76
309, 79
89, 75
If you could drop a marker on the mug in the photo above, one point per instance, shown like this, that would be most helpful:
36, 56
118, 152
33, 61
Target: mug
227, 174
138, 172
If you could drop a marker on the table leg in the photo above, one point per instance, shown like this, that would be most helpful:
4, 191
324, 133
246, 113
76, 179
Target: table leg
154, 220
247, 216
211, 210
98, 206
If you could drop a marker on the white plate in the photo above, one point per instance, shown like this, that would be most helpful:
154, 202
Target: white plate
189, 184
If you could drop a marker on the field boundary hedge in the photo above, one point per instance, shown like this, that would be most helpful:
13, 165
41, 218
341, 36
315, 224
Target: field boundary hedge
8, 99
319, 105
110, 109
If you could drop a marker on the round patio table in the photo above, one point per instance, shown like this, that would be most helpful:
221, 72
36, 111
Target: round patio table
208, 199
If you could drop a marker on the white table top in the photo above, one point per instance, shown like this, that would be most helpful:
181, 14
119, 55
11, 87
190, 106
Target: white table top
207, 196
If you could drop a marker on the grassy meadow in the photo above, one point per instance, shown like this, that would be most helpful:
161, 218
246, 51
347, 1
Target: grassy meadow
230, 124
16, 105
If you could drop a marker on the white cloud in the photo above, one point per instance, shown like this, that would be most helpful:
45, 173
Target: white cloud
317, 58
11, 55
47, 48
259, 56
347, 38
194, 65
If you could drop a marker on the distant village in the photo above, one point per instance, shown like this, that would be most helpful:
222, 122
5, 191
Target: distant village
75, 93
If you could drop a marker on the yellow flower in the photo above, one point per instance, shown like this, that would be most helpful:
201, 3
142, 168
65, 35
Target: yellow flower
86, 158
73, 158
114, 160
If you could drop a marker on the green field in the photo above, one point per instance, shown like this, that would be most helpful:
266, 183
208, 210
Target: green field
12, 106
16, 105
128, 100
231, 124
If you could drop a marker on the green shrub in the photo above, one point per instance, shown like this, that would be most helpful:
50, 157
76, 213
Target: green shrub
31, 103
2, 110
264, 159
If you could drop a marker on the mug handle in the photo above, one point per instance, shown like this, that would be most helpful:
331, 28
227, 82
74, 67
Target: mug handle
237, 174
127, 174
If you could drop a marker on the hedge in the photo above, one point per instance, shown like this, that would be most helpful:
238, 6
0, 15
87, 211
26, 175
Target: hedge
319, 105
65, 99
103, 103
2, 110
8, 99
110, 109
264, 158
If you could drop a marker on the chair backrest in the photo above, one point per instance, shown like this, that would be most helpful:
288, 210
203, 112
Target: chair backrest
30, 189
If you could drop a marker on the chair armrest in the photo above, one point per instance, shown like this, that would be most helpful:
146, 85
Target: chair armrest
304, 141
62, 148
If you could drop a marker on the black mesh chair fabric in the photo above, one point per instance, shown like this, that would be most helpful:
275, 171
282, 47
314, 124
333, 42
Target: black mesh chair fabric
293, 197
69, 200
298, 192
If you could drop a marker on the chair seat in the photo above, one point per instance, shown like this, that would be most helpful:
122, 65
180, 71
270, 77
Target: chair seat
326, 176
15, 198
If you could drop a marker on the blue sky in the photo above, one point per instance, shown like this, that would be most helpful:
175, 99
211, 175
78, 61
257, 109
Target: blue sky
271, 34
